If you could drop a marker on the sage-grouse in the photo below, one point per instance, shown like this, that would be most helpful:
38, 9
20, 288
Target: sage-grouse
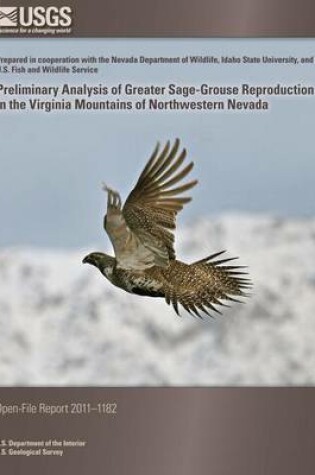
142, 236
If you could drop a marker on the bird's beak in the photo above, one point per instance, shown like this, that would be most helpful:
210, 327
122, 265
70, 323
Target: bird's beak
85, 260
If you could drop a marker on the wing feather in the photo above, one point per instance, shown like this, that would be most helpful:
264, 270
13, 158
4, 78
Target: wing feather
151, 208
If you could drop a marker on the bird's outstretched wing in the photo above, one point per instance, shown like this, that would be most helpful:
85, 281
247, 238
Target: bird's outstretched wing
151, 208
142, 233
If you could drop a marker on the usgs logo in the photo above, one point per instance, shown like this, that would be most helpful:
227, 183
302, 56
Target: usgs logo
36, 16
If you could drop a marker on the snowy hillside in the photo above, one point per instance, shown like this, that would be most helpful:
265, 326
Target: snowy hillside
62, 323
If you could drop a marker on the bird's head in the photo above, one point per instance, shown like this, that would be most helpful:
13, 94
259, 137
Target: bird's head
100, 260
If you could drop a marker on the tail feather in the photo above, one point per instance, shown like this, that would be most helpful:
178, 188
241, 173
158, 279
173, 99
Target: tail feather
208, 258
206, 284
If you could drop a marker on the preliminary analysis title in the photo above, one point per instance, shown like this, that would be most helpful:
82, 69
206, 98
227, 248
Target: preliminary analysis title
171, 96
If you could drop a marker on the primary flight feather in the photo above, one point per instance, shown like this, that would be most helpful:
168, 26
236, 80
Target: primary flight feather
142, 235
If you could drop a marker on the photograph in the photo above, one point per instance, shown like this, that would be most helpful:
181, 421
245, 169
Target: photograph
182, 172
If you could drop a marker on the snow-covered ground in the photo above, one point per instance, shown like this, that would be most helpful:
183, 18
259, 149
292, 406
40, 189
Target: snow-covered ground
62, 323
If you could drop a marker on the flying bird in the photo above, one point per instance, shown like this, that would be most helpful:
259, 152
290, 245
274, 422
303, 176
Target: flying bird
142, 235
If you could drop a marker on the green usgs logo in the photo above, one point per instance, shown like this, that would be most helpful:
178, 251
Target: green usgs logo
35, 16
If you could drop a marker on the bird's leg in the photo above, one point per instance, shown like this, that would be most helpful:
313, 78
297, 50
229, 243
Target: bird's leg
113, 197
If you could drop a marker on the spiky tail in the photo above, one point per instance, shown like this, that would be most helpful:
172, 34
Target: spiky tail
202, 285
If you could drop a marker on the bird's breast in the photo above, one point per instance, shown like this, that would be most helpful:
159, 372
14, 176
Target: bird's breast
108, 272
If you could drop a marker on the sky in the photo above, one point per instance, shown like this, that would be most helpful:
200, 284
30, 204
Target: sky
52, 164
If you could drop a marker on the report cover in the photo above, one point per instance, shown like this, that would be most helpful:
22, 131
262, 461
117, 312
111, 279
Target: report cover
156, 246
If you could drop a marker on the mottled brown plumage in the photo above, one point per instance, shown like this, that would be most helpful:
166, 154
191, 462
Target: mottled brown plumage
142, 236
